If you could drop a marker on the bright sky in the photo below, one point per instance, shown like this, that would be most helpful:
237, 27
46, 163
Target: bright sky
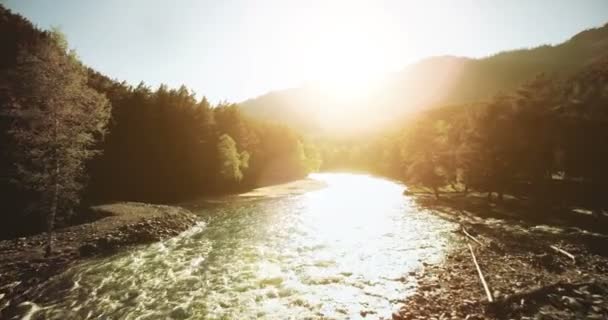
238, 49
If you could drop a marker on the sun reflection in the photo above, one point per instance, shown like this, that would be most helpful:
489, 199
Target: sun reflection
352, 209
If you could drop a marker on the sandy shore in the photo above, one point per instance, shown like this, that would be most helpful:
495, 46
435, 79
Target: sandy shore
23, 266
286, 189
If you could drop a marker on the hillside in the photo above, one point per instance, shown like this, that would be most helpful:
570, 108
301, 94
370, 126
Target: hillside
72, 137
432, 81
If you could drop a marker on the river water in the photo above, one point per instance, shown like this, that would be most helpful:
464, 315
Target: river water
345, 248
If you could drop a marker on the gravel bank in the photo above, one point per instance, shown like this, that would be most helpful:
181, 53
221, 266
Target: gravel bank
527, 278
23, 266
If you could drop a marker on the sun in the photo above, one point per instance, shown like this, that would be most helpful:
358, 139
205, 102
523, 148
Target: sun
349, 47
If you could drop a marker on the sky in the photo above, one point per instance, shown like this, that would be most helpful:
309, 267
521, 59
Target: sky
232, 50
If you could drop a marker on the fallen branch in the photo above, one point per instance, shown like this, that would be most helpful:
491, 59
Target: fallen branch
564, 252
483, 280
471, 237
540, 292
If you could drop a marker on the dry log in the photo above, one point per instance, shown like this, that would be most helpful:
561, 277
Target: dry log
483, 280
470, 236
564, 252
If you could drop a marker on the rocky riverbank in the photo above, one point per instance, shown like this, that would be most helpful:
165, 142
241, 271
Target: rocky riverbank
24, 267
527, 275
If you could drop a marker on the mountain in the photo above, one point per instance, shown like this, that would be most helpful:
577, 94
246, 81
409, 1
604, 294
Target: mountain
430, 82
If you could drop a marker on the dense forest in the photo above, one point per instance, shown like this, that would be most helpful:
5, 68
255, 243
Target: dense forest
164, 146
547, 140
70, 134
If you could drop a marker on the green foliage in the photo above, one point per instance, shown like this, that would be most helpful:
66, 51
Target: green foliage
231, 162
312, 157
168, 146
56, 120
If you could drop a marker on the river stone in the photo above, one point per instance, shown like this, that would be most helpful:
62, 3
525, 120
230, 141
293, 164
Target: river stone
87, 249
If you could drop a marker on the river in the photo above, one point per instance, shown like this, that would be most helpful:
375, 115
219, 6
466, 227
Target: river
342, 249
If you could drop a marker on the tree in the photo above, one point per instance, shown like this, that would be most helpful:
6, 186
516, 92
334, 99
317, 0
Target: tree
536, 132
231, 162
486, 156
313, 157
56, 120
423, 171
424, 153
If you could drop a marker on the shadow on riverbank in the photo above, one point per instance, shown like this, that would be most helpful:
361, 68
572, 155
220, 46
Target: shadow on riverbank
561, 215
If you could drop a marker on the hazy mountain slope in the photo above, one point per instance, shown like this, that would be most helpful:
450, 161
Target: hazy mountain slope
432, 81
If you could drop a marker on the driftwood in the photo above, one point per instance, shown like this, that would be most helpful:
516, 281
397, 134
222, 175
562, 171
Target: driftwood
471, 237
483, 280
564, 252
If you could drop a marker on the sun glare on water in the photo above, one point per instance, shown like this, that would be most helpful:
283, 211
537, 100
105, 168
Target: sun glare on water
348, 210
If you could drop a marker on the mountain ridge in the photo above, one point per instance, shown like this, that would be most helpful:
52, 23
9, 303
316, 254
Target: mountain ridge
433, 81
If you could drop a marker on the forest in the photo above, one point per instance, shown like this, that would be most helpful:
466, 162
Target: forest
546, 141
72, 137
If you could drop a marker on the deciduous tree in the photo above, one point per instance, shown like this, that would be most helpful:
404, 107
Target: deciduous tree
56, 121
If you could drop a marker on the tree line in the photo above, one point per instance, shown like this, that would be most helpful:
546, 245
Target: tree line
164, 145
547, 140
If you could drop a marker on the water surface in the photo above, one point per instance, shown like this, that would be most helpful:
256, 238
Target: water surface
335, 252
